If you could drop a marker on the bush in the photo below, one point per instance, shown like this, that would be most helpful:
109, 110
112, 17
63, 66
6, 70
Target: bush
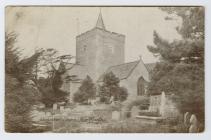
86, 91
139, 101
111, 89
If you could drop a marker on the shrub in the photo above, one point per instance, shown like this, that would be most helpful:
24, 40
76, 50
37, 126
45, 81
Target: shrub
110, 88
86, 91
139, 101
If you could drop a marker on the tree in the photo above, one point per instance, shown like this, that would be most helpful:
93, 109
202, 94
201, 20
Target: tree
181, 67
110, 88
50, 85
86, 91
122, 94
19, 95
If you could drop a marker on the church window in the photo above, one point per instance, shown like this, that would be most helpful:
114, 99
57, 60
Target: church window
111, 48
141, 86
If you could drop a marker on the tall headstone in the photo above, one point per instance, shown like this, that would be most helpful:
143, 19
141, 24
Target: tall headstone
111, 100
54, 106
193, 119
162, 103
193, 127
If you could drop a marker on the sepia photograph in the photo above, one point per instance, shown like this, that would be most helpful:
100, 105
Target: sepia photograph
104, 69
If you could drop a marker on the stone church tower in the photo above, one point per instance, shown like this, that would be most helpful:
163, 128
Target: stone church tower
98, 49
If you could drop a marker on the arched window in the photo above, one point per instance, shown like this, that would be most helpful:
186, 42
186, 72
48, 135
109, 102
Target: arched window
141, 86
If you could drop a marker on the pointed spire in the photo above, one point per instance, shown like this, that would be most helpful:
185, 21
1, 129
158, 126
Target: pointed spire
100, 23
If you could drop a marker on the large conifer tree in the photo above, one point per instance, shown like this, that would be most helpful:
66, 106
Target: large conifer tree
181, 68
19, 96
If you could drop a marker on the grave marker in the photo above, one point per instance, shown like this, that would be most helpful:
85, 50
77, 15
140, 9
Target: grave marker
134, 111
54, 106
115, 115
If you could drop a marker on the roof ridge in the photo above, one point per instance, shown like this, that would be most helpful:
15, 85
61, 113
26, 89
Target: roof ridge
129, 73
122, 64
138, 61
145, 64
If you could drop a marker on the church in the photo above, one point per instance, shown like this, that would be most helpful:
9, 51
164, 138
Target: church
99, 51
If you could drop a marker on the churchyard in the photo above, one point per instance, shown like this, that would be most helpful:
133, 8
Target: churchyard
104, 78
114, 118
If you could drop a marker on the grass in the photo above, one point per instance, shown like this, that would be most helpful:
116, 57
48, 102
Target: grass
126, 126
136, 126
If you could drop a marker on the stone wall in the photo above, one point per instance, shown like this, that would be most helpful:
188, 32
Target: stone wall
131, 82
110, 50
99, 49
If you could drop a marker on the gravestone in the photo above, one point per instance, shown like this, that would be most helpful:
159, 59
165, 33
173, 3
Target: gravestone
111, 99
48, 114
115, 115
193, 119
61, 108
162, 104
41, 114
193, 127
54, 106
134, 111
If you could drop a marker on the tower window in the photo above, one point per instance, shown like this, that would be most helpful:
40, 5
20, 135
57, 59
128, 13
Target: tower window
111, 48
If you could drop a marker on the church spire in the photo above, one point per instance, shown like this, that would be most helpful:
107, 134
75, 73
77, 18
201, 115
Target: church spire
100, 23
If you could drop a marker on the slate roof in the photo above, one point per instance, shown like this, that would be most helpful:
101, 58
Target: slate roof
150, 66
122, 71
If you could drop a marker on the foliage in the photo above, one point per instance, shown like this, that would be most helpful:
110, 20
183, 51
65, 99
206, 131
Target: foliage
121, 95
110, 88
20, 96
86, 91
139, 101
190, 51
11, 54
52, 81
51, 92
19, 68
193, 20
181, 68
48, 63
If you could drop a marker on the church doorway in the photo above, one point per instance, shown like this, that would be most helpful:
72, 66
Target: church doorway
141, 86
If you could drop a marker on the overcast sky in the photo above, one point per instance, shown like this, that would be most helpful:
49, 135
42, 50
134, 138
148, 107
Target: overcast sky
57, 27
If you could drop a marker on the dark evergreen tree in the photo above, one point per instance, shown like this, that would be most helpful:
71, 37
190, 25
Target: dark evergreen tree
50, 86
110, 87
86, 91
19, 95
181, 67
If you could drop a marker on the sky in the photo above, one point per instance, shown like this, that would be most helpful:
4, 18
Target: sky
57, 27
